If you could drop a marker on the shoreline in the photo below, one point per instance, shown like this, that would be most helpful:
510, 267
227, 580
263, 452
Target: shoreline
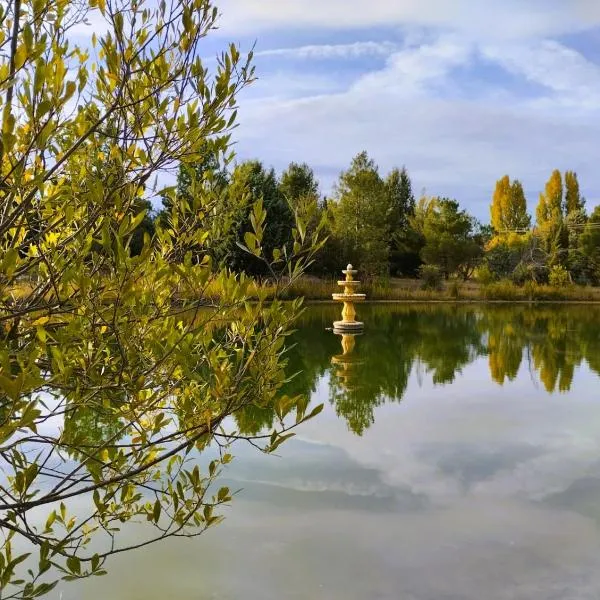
452, 301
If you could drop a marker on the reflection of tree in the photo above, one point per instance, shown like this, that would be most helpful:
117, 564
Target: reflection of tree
556, 341
505, 351
443, 339
448, 340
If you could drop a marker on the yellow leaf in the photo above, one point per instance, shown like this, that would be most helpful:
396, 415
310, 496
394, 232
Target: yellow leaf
41, 321
20, 56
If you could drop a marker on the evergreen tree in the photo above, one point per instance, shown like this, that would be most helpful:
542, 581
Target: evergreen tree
401, 199
298, 181
251, 179
361, 216
452, 240
404, 244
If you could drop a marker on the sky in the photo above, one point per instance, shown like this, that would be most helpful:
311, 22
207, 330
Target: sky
460, 92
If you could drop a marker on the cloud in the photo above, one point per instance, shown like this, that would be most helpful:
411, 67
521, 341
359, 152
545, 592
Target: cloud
508, 19
458, 113
556, 67
333, 51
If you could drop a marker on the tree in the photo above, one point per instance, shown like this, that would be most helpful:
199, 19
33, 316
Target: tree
549, 215
401, 199
550, 207
298, 182
259, 184
404, 251
509, 206
590, 243
573, 200
128, 347
361, 216
450, 236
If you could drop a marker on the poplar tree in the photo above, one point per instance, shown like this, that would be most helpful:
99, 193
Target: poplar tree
573, 200
509, 206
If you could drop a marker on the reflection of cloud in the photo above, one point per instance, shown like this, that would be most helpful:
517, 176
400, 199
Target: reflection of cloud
322, 477
471, 464
476, 440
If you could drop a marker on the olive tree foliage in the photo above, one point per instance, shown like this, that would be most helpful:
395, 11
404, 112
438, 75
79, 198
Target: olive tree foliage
115, 368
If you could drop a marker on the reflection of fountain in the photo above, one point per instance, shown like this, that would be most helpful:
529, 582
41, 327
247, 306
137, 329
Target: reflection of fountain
349, 297
346, 361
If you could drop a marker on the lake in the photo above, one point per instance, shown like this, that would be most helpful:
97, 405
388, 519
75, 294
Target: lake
457, 457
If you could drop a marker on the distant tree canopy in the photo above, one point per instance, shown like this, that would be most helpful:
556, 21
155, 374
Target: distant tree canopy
376, 222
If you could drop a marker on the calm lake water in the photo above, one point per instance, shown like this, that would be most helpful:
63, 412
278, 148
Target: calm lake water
458, 457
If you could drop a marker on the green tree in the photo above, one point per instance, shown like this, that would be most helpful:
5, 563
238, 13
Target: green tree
589, 243
451, 240
258, 184
361, 216
404, 247
297, 182
117, 344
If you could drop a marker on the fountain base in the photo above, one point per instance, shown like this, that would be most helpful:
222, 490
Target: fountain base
343, 326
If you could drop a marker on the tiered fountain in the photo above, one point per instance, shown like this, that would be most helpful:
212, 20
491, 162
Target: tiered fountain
348, 297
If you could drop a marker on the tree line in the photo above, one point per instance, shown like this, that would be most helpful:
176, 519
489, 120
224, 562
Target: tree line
375, 221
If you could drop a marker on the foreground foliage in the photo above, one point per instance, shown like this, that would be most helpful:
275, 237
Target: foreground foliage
115, 367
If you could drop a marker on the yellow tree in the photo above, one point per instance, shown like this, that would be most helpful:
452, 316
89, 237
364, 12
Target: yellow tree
549, 208
573, 199
509, 206
549, 215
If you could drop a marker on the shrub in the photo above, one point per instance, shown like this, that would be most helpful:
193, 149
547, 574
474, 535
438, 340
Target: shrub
501, 290
484, 275
431, 277
559, 276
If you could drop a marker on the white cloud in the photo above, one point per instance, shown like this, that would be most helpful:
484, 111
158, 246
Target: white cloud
483, 19
455, 135
560, 69
333, 51
411, 68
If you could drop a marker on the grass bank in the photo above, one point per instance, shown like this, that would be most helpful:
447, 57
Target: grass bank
412, 290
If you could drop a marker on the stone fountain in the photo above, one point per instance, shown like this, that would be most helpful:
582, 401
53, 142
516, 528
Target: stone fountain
349, 297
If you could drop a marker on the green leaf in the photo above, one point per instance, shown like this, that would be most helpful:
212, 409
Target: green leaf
74, 565
157, 510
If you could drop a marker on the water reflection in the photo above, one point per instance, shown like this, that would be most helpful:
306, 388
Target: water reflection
476, 474
436, 342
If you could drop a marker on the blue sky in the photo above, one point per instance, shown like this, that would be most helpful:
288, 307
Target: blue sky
459, 91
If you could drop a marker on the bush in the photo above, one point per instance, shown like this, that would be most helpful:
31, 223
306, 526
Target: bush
484, 275
559, 276
501, 290
431, 277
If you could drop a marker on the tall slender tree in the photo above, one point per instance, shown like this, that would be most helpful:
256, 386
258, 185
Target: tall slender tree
550, 206
573, 200
509, 206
